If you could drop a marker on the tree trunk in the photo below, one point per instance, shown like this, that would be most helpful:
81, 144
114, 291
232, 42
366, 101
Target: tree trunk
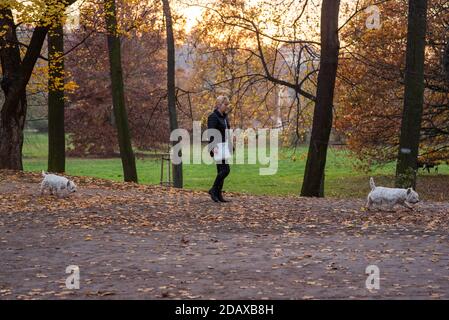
446, 62
118, 94
14, 109
171, 90
313, 185
16, 74
56, 132
413, 95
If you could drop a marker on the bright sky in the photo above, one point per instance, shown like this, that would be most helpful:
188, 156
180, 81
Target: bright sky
310, 19
192, 14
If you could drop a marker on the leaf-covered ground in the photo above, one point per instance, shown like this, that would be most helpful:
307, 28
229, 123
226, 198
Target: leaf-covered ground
140, 241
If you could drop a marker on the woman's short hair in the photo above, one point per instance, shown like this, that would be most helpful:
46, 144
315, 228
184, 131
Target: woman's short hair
221, 100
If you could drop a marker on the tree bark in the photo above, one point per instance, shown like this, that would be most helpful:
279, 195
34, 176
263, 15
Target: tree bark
171, 89
56, 132
13, 112
118, 94
446, 62
413, 95
313, 185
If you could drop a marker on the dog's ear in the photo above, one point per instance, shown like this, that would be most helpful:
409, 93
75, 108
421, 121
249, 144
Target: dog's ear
409, 190
68, 184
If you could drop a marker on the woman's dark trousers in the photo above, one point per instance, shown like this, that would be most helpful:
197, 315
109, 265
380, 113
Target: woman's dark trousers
223, 170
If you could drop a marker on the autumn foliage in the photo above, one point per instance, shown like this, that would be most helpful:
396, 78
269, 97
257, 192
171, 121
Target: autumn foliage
370, 87
90, 119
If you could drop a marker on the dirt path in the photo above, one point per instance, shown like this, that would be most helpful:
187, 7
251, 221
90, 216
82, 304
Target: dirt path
149, 242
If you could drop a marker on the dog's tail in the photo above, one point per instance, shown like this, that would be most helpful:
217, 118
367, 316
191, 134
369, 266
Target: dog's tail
371, 183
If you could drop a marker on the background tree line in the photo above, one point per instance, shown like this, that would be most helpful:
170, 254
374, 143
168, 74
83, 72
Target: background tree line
308, 69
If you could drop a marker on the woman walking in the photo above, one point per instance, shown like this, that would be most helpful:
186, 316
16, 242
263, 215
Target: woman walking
218, 120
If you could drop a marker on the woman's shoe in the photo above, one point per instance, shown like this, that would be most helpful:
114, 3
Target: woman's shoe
220, 197
213, 195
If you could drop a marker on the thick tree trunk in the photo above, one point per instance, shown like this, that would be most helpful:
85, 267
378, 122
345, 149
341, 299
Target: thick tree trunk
171, 90
14, 109
313, 185
413, 95
446, 62
56, 132
118, 94
11, 137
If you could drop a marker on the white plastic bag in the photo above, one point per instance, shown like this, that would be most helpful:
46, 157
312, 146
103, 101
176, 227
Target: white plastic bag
223, 152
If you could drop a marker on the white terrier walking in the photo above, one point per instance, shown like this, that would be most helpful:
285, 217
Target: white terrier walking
391, 196
60, 185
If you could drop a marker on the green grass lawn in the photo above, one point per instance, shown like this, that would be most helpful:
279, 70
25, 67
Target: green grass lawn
342, 180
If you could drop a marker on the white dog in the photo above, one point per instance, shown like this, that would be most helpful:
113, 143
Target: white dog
391, 196
54, 183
